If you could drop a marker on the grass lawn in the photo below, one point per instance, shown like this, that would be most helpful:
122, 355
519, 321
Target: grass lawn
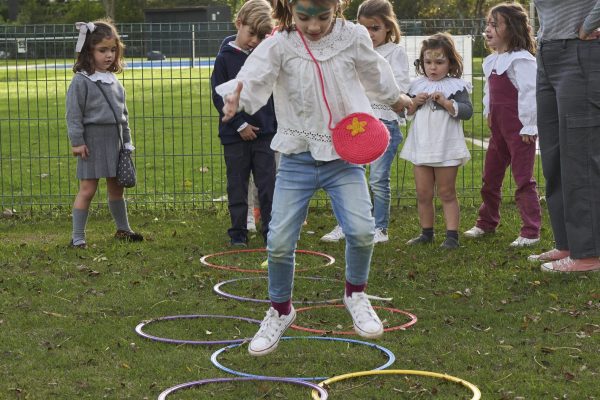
485, 314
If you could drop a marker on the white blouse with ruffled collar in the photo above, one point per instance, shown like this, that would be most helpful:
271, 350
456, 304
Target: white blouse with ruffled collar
353, 73
521, 69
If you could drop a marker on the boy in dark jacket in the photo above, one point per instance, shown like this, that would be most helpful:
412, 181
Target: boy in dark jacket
246, 139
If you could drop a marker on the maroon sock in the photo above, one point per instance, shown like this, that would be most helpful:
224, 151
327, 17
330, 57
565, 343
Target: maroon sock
283, 308
350, 288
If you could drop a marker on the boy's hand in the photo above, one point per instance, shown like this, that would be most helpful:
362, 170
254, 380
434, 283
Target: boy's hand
232, 102
249, 132
80, 151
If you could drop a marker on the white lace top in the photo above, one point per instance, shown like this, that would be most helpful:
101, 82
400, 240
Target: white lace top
398, 60
352, 71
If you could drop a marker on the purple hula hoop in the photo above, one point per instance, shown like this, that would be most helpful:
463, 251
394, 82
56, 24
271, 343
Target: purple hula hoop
323, 393
139, 331
217, 289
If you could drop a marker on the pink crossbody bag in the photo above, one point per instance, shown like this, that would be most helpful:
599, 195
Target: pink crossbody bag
358, 138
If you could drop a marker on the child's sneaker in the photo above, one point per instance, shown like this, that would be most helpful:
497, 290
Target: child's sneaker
475, 232
271, 330
524, 242
128, 236
250, 223
334, 236
239, 242
79, 245
550, 255
421, 239
450, 243
381, 236
366, 322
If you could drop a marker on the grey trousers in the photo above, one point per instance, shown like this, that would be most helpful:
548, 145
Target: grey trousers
568, 113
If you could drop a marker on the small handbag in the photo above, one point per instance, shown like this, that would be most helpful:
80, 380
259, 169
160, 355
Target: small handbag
358, 138
125, 168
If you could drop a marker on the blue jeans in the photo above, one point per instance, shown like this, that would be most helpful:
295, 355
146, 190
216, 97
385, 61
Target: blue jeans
299, 176
379, 177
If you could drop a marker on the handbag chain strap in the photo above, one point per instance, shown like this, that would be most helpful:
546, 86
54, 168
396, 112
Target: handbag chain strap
118, 125
320, 76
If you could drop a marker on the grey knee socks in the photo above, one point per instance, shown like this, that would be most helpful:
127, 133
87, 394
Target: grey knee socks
79, 220
118, 209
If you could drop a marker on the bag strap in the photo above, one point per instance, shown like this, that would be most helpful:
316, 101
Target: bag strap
320, 77
114, 114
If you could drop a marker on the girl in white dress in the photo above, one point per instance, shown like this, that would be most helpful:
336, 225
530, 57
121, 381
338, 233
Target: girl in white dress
436, 143
353, 73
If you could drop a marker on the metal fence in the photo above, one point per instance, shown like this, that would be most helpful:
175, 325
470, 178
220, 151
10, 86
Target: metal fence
178, 153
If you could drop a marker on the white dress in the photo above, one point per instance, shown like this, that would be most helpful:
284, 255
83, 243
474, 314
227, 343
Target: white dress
436, 138
354, 74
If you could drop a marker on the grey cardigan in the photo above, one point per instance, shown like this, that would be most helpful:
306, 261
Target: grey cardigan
87, 106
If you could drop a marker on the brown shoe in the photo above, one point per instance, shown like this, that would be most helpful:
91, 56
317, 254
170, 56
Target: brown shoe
128, 236
551, 255
569, 264
77, 246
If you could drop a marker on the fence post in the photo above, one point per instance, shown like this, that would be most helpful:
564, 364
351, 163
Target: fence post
193, 44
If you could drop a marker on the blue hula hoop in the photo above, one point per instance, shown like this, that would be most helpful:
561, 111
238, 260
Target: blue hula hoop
387, 352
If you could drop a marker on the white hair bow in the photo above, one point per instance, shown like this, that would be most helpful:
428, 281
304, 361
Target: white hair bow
83, 28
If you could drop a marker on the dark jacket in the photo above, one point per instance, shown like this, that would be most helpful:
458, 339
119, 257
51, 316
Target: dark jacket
228, 63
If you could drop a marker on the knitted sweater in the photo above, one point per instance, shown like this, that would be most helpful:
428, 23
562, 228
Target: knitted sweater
86, 106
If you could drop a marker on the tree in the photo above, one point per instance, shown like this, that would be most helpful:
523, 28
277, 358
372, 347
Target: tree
109, 8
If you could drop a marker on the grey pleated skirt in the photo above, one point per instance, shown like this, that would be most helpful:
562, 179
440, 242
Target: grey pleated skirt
103, 146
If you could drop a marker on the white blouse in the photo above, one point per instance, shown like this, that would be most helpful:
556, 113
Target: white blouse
398, 60
353, 73
521, 69
105, 77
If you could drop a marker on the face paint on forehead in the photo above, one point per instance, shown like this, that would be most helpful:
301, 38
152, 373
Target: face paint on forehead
435, 54
311, 10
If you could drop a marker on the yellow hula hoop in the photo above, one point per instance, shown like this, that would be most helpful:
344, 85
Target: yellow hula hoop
473, 388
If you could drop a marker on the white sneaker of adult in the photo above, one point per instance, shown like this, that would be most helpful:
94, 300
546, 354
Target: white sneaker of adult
523, 242
474, 232
250, 223
366, 322
381, 236
334, 236
270, 331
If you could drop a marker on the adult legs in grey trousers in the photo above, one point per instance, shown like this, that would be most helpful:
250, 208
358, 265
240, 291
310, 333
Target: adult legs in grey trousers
568, 101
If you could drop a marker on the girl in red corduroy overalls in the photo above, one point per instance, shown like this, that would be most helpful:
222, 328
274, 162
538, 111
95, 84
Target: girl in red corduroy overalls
510, 106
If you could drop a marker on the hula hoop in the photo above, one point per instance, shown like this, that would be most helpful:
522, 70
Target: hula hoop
322, 392
139, 331
388, 353
413, 320
473, 388
330, 260
217, 289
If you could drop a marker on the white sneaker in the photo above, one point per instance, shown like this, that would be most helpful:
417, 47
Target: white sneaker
474, 232
381, 236
523, 242
366, 322
250, 223
334, 236
271, 330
